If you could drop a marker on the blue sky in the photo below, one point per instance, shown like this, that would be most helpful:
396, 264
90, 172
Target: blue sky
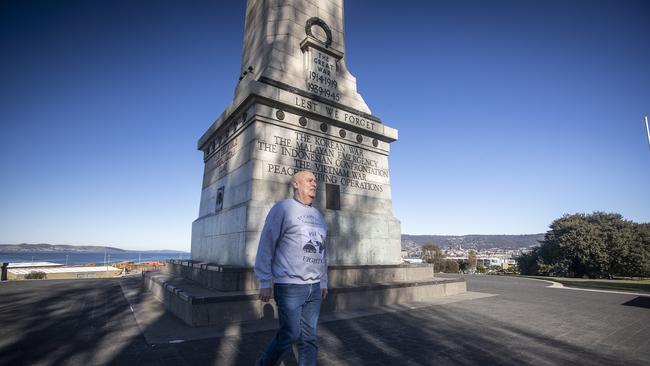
510, 113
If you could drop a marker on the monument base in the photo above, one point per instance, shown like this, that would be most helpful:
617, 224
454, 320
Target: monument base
202, 294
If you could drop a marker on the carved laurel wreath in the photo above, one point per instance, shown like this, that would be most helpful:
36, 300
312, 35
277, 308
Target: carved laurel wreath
319, 22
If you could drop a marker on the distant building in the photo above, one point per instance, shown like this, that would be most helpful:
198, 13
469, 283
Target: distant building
487, 262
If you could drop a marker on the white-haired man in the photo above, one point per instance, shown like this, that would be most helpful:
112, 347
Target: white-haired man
292, 255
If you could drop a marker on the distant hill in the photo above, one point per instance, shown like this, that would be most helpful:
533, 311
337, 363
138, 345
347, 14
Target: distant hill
473, 241
72, 248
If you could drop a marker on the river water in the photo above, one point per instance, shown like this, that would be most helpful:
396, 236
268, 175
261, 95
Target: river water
74, 258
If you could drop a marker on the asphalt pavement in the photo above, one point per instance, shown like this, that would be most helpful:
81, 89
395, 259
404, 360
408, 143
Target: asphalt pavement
514, 321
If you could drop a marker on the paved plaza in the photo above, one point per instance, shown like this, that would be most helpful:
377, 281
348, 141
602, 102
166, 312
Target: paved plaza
501, 321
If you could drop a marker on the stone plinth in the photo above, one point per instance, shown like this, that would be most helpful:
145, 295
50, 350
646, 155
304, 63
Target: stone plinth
353, 287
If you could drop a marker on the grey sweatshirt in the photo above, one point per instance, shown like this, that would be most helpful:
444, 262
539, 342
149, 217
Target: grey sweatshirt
292, 246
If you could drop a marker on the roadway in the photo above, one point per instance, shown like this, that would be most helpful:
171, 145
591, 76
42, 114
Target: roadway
89, 322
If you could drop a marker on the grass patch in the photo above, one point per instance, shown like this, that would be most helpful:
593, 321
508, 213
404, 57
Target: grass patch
618, 285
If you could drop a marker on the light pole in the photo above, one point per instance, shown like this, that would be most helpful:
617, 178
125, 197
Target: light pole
647, 130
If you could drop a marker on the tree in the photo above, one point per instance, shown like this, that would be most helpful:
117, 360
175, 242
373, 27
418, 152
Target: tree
451, 266
432, 253
625, 256
528, 263
471, 257
638, 258
595, 245
463, 266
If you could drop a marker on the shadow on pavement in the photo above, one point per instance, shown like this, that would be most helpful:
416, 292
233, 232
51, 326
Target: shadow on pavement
55, 322
89, 322
640, 301
440, 336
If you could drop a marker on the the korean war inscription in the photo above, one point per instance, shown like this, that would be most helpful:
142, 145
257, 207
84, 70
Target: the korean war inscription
296, 107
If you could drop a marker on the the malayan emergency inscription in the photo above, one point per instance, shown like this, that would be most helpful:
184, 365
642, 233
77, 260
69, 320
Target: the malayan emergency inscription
330, 161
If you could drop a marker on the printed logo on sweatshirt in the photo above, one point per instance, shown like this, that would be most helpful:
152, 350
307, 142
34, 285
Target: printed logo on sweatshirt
312, 260
314, 248
308, 219
311, 246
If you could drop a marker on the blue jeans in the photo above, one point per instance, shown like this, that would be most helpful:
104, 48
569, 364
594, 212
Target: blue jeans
298, 310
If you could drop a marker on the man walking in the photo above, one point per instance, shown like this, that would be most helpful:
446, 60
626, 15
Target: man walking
292, 253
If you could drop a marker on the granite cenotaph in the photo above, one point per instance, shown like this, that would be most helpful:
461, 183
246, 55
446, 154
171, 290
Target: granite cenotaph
296, 107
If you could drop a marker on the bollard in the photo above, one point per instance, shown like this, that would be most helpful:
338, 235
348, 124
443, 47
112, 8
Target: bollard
3, 277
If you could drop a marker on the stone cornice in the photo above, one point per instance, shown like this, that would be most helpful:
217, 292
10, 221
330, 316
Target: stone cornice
282, 94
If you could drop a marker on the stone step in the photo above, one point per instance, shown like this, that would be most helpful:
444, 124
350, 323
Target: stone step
233, 278
197, 305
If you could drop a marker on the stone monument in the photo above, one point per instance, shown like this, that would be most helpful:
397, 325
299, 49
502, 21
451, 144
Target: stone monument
296, 107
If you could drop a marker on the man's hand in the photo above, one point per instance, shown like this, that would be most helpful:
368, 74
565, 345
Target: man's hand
265, 294
323, 293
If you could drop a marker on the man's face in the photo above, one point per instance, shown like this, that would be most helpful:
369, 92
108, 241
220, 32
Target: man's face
305, 186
